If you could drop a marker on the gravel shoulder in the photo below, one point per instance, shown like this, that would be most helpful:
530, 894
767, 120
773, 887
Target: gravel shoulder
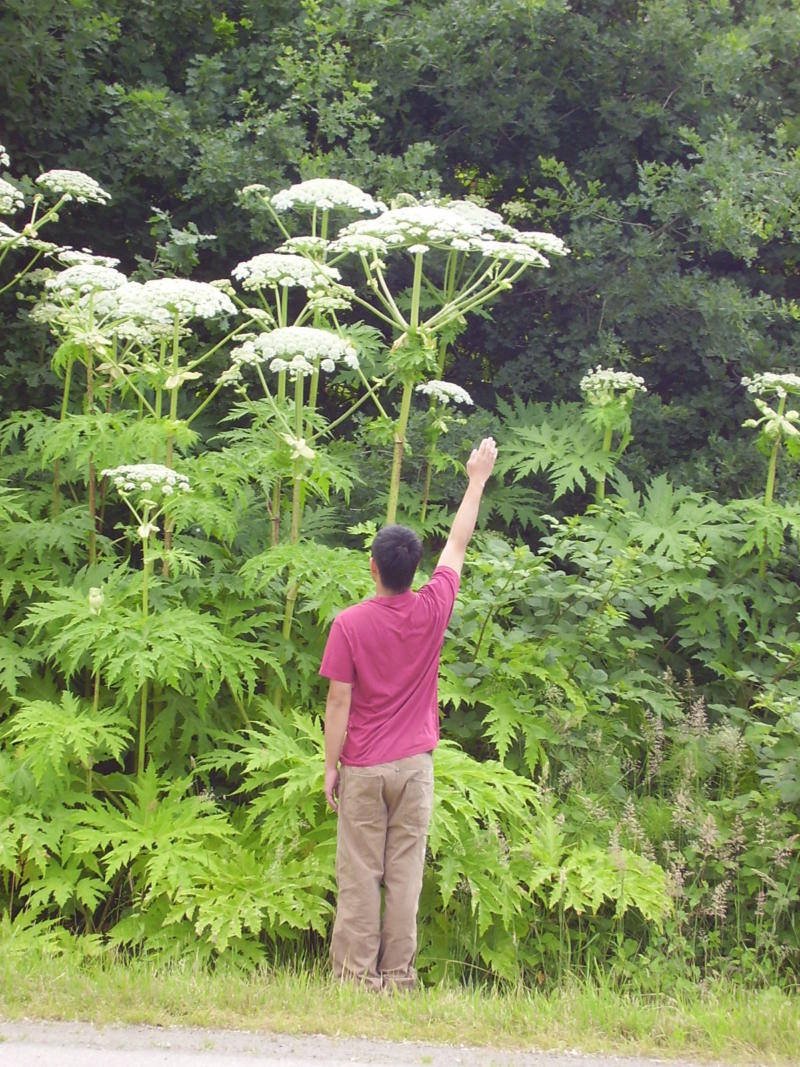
31, 1043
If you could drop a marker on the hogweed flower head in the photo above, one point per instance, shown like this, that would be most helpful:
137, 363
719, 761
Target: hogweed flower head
152, 478
74, 257
769, 384
4, 158
73, 185
445, 392
84, 278
326, 194
274, 268
602, 386
296, 349
146, 311
430, 225
11, 199
305, 245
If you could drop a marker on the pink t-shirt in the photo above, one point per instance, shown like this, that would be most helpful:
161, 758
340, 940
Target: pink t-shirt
388, 648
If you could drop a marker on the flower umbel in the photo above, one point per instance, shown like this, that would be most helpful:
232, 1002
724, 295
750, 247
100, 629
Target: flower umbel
73, 185
445, 392
602, 385
146, 478
326, 194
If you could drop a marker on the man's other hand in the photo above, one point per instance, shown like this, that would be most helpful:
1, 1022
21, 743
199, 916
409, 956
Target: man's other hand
332, 787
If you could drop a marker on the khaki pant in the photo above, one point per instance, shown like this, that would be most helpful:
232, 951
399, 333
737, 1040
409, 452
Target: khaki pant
384, 813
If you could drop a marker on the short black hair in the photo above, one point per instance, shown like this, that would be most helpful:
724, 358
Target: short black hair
396, 551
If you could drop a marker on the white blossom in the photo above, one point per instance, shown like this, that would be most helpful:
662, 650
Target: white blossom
274, 268
360, 244
772, 423
325, 194
545, 242
96, 600
451, 225
511, 251
305, 245
769, 383
83, 279
300, 450
445, 392
296, 349
73, 257
11, 199
146, 312
146, 477
4, 158
600, 385
73, 185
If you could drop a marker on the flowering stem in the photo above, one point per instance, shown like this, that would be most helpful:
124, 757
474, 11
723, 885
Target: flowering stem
173, 418
62, 416
769, 490
92, 470
600, 484
397, 458
147, 566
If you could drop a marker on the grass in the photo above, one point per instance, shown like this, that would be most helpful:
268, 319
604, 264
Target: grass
718, 1022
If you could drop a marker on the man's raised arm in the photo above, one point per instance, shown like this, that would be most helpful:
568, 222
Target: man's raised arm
479, 466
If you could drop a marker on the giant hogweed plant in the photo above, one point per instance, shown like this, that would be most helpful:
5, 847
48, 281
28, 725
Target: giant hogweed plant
148, 770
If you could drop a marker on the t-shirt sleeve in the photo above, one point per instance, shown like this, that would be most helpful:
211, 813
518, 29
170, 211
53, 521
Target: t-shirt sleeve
441, 592
337, 659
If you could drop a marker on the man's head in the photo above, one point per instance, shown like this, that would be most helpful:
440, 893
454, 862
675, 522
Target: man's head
396, 551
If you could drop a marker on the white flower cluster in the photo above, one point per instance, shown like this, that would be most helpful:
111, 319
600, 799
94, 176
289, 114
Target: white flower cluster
146, 478
325, 194
457, 224
545, 242
11, 199
73, 185
84, 278
4, 158
73, 257
601, 385
510, 250
146, 312
295, 349
428, 224
273, 268
770, 383
305, 245
445, 392
359, 243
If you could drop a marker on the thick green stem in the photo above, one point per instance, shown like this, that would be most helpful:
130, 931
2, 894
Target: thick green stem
600, 484
92, 470
62, 416
397, 458
147, 566
769, 490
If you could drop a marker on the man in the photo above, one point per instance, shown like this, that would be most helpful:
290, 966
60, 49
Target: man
381, 726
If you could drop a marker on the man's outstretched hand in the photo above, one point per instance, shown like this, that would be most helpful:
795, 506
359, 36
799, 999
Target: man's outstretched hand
481, 461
